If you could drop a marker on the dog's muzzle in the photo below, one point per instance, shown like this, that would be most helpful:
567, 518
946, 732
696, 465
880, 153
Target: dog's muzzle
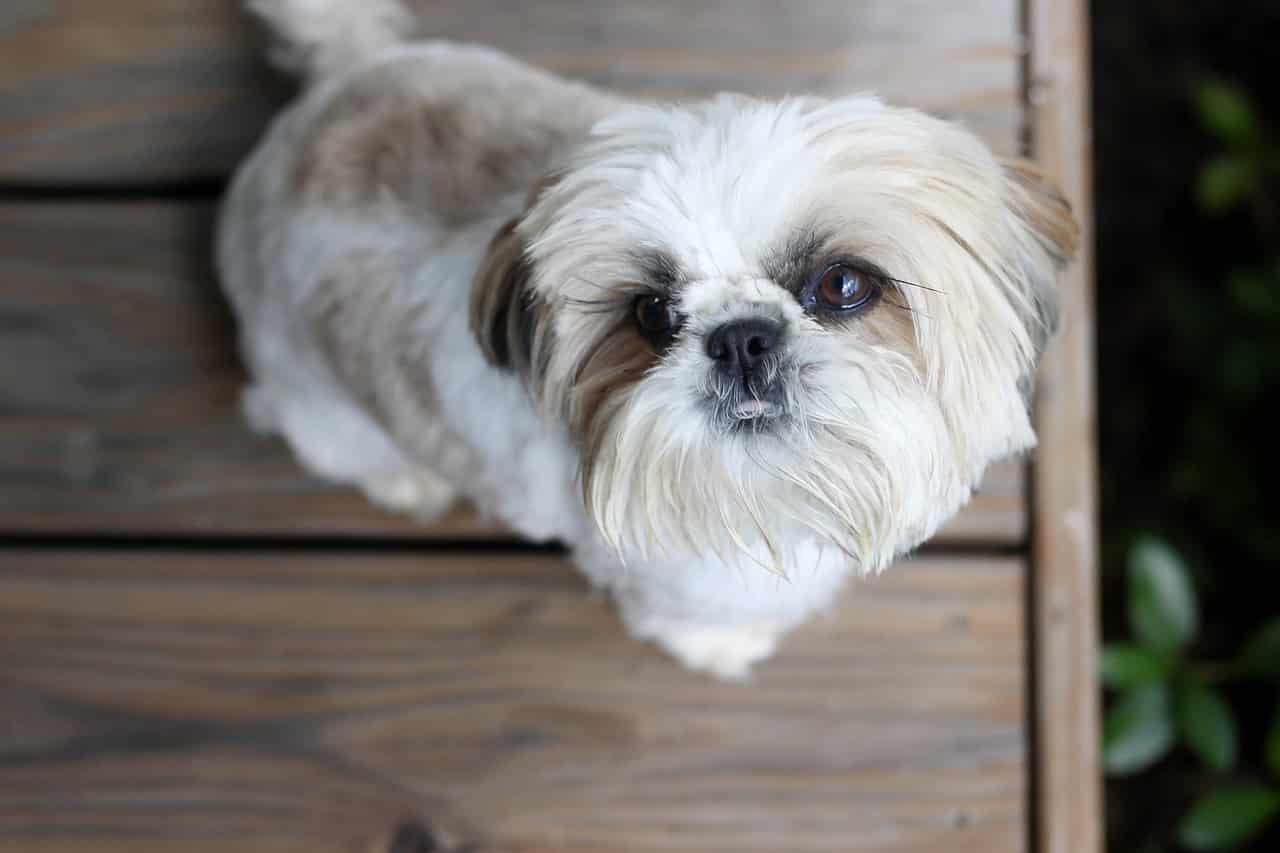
745, 357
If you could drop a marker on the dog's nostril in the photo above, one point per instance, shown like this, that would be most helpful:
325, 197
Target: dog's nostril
411, 836
742, 343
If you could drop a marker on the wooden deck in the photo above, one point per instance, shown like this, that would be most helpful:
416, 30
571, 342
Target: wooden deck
203, 649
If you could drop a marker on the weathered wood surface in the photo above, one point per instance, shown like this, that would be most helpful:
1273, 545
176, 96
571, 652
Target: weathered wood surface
279, 701
1065, 610
119, 384
146, 91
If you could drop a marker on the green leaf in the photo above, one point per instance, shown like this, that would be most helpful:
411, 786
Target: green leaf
1228, 816
1138, 730
1127, 665
1226, 111
1224, 182
1253, 293
1163, 614
1207, 726
1261, 653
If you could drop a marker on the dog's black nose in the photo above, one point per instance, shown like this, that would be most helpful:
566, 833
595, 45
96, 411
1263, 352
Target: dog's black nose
741, 345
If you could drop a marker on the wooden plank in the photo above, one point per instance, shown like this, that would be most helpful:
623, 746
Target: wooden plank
136, 91
119, 384
1065, 539
156, 701
128, 91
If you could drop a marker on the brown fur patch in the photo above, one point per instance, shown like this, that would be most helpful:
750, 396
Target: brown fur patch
511, 324
1046, 213
889, 324
512, 327
451, 145
1039, 203
349, 311
369, 334
619, 358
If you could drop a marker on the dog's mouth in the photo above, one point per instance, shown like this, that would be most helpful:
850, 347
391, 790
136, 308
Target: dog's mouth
752, 409
748, 410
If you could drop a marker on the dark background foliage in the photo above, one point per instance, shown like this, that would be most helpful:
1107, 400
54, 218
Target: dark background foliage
1187, 157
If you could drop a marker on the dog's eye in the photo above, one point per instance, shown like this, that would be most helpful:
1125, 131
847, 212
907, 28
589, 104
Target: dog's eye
843, 288
655, 317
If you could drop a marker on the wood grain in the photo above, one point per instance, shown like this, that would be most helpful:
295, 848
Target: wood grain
144, 91
117, 93
118, 396
279, 699
1065, 539
299, 701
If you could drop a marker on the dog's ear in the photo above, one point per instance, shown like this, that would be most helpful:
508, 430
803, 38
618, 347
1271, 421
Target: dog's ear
1048, 236
1040, 205
511, 324
500, 301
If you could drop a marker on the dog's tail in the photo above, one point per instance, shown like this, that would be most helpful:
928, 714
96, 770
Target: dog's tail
317, 38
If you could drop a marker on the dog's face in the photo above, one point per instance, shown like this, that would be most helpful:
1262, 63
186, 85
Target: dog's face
768, 321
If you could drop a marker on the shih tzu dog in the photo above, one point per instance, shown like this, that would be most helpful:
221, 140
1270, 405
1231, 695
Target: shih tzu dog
730, 352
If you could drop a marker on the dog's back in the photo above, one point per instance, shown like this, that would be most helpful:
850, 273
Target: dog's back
392, 170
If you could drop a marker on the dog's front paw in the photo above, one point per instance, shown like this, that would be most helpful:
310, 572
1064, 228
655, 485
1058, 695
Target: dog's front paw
725, 652
419, 492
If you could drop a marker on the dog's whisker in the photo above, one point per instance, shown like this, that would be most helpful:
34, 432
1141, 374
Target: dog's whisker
913, 284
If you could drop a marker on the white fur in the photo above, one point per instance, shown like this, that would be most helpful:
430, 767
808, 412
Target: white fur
714, 544
319, 37
887, 452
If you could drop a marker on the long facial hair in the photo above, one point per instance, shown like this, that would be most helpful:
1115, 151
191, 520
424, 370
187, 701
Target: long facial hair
663, 482
883, 435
